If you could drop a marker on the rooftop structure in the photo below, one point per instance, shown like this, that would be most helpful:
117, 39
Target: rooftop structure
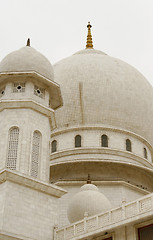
88, 115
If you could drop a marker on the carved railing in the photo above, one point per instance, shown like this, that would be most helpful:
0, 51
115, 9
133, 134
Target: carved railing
90, 224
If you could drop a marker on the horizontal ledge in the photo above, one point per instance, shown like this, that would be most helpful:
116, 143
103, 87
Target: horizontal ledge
116, 182
53, 86
25, 103
4, 235
21, 179
5, 76
29, 104
56, 158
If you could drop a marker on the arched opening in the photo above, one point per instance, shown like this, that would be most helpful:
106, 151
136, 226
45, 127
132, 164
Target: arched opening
54, 146
35, 153
12, 148
145, 153
78, 141
104, 140
128, 145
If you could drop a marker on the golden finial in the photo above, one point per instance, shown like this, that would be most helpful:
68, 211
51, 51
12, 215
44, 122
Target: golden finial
89, 37
28, 42
88, 180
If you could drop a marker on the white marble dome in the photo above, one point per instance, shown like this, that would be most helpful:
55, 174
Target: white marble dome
27, 59
87, 201
101, 90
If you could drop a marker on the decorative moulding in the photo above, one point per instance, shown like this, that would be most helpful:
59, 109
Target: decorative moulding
26, 181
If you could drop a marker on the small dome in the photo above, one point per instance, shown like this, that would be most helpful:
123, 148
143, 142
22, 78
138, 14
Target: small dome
27, 59
88, 200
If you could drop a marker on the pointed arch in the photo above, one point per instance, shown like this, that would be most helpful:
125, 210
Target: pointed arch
12, 148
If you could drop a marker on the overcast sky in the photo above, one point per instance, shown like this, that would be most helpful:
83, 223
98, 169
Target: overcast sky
57, 28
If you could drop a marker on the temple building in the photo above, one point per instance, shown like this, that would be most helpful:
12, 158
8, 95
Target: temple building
76, 155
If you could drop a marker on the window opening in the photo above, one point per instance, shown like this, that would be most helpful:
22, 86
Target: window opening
78, 141
145, 233
128, 145
54, 146
18, 87
35, 154
12, 148
2, 92
40, 92
145, 153
104, 140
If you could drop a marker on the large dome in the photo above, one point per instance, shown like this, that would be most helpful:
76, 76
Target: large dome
101, 90
27, 59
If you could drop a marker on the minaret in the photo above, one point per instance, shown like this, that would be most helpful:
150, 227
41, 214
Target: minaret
28, 98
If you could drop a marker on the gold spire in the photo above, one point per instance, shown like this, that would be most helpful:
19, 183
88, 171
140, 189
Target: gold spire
88, 180
28, 42
89, 37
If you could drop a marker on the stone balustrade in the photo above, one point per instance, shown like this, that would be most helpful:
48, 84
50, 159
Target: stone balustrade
125, 213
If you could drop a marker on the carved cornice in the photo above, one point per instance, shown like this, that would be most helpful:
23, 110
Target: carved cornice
26, 181
53, 87
124, 183
73, 155
29, 104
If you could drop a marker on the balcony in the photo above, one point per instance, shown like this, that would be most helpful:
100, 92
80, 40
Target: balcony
128, 213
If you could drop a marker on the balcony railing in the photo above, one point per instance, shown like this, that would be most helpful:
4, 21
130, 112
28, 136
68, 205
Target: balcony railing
100, 221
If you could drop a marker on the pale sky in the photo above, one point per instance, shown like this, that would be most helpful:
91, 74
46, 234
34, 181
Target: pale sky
57, 28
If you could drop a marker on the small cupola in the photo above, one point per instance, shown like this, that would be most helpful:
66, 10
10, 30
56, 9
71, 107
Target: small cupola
87, 202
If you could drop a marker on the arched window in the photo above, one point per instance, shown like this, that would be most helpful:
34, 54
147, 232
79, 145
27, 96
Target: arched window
145, 153
128, 145
77, 141
12, 148
35, 153
54, 146
104, 140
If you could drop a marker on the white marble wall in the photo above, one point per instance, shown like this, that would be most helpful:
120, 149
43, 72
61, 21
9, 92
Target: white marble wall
92, 138
27, 213
27, 121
